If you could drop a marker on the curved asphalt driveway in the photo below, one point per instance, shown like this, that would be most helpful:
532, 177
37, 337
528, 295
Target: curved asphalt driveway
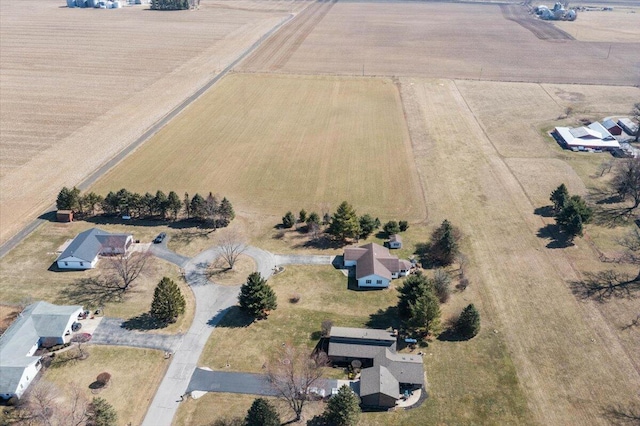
212, 302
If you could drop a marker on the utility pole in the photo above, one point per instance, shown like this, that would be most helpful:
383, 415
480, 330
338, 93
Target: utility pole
609, 52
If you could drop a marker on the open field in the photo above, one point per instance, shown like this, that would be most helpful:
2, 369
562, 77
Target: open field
391, 38
622, 25
26, 276
135, 375
474, 380
79, 85
571, 363
274, 143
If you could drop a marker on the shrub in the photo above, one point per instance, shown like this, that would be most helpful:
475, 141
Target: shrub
295, 298
441, 285
288, 220
468, 324
404, 225
326, 328
103, 378
391, 227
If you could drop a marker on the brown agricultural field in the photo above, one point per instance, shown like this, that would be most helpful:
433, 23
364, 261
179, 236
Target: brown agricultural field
622, 25
79, 85
431, 39
276, 143
572, 359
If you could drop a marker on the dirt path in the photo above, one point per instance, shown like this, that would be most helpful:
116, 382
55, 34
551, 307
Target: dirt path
570, 365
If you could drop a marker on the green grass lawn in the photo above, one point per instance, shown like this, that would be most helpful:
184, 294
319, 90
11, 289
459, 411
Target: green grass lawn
470, 382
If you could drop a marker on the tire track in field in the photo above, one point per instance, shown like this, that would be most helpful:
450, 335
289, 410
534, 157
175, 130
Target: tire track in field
542, 29
275, 53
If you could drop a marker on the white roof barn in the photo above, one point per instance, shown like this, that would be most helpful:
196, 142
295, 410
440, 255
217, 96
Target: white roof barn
594, 136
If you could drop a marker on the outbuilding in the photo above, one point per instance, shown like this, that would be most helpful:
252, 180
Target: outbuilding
64, 216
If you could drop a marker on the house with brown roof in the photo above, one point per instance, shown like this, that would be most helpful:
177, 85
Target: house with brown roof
386, 375
375, 267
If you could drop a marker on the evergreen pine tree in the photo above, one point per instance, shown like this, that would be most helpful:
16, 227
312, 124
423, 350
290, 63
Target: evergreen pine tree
168, 302
198, 207
391, 227
262, 413
344, 223
226, 212
302, 216
367, 225
257, 297
68, 199
174, 204
288, 220
343, 409
101, 413
425, 313
414, 286
559, 197
444, 244
468, 325
573, 215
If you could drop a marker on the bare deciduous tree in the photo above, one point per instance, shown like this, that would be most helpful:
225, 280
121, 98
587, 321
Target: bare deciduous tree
292, 372
605, 285
635, 113
42, 407
626, 181
232, 244
126, 268
80, 340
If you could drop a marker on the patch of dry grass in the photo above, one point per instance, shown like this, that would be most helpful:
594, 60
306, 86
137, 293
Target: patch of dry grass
135, 375
345, 139
617, 26
220, 273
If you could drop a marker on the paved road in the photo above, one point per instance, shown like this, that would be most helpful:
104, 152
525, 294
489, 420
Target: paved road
110, 332
163, 252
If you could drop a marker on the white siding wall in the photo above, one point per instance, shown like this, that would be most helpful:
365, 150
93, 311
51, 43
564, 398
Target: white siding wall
73, 263
27, 377
373, 281
349, 263
395, 245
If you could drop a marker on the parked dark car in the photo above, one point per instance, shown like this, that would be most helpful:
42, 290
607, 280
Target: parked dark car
160, 238
76, 326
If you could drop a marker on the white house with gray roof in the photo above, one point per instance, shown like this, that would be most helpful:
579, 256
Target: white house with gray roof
375, 266
83, 251
38, 322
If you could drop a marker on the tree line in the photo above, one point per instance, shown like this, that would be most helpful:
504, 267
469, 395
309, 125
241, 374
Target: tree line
344, 224
171, 4
211, 210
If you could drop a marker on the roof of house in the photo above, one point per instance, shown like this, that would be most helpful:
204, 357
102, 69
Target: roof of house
587, 136
395, 238
610, 124
362, 333
88, 244
40, 319
372, 259
378, 379
404, 367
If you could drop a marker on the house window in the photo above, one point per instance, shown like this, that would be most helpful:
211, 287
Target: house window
66, 263
368, 281
81, 263
379, 282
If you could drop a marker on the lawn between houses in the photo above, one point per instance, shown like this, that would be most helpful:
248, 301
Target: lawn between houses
135, 376
473, 380
26, 275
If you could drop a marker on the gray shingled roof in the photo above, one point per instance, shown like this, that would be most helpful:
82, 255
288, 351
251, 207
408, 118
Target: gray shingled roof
404, 367
395, 238
40, 319
352, 350
85, 245
362, 333
378, 379
88, 244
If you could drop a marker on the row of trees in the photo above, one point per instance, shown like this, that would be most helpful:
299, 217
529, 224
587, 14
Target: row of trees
171, 4
570, 211
211, 210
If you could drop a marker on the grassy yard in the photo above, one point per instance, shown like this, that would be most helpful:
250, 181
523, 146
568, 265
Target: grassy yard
27, 273
473, 381
344, 139
135, 375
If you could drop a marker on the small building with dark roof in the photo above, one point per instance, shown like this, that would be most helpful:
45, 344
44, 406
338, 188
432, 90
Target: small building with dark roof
395, 241
85, 248
64, 216
375, 266
386, 375
628, 126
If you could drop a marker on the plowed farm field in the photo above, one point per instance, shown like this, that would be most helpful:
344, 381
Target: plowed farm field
275, 143
78, 85
446, 40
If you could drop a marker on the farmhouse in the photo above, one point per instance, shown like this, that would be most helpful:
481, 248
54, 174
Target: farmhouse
375, 266
395, 241
386, 375
38, 322
85, 248
593, 136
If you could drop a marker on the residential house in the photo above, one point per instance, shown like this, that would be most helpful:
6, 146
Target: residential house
375, 267
395, 241
38, 322
386, 375
85, 248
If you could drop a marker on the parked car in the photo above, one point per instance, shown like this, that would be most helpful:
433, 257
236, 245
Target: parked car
160, 238
76, 326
